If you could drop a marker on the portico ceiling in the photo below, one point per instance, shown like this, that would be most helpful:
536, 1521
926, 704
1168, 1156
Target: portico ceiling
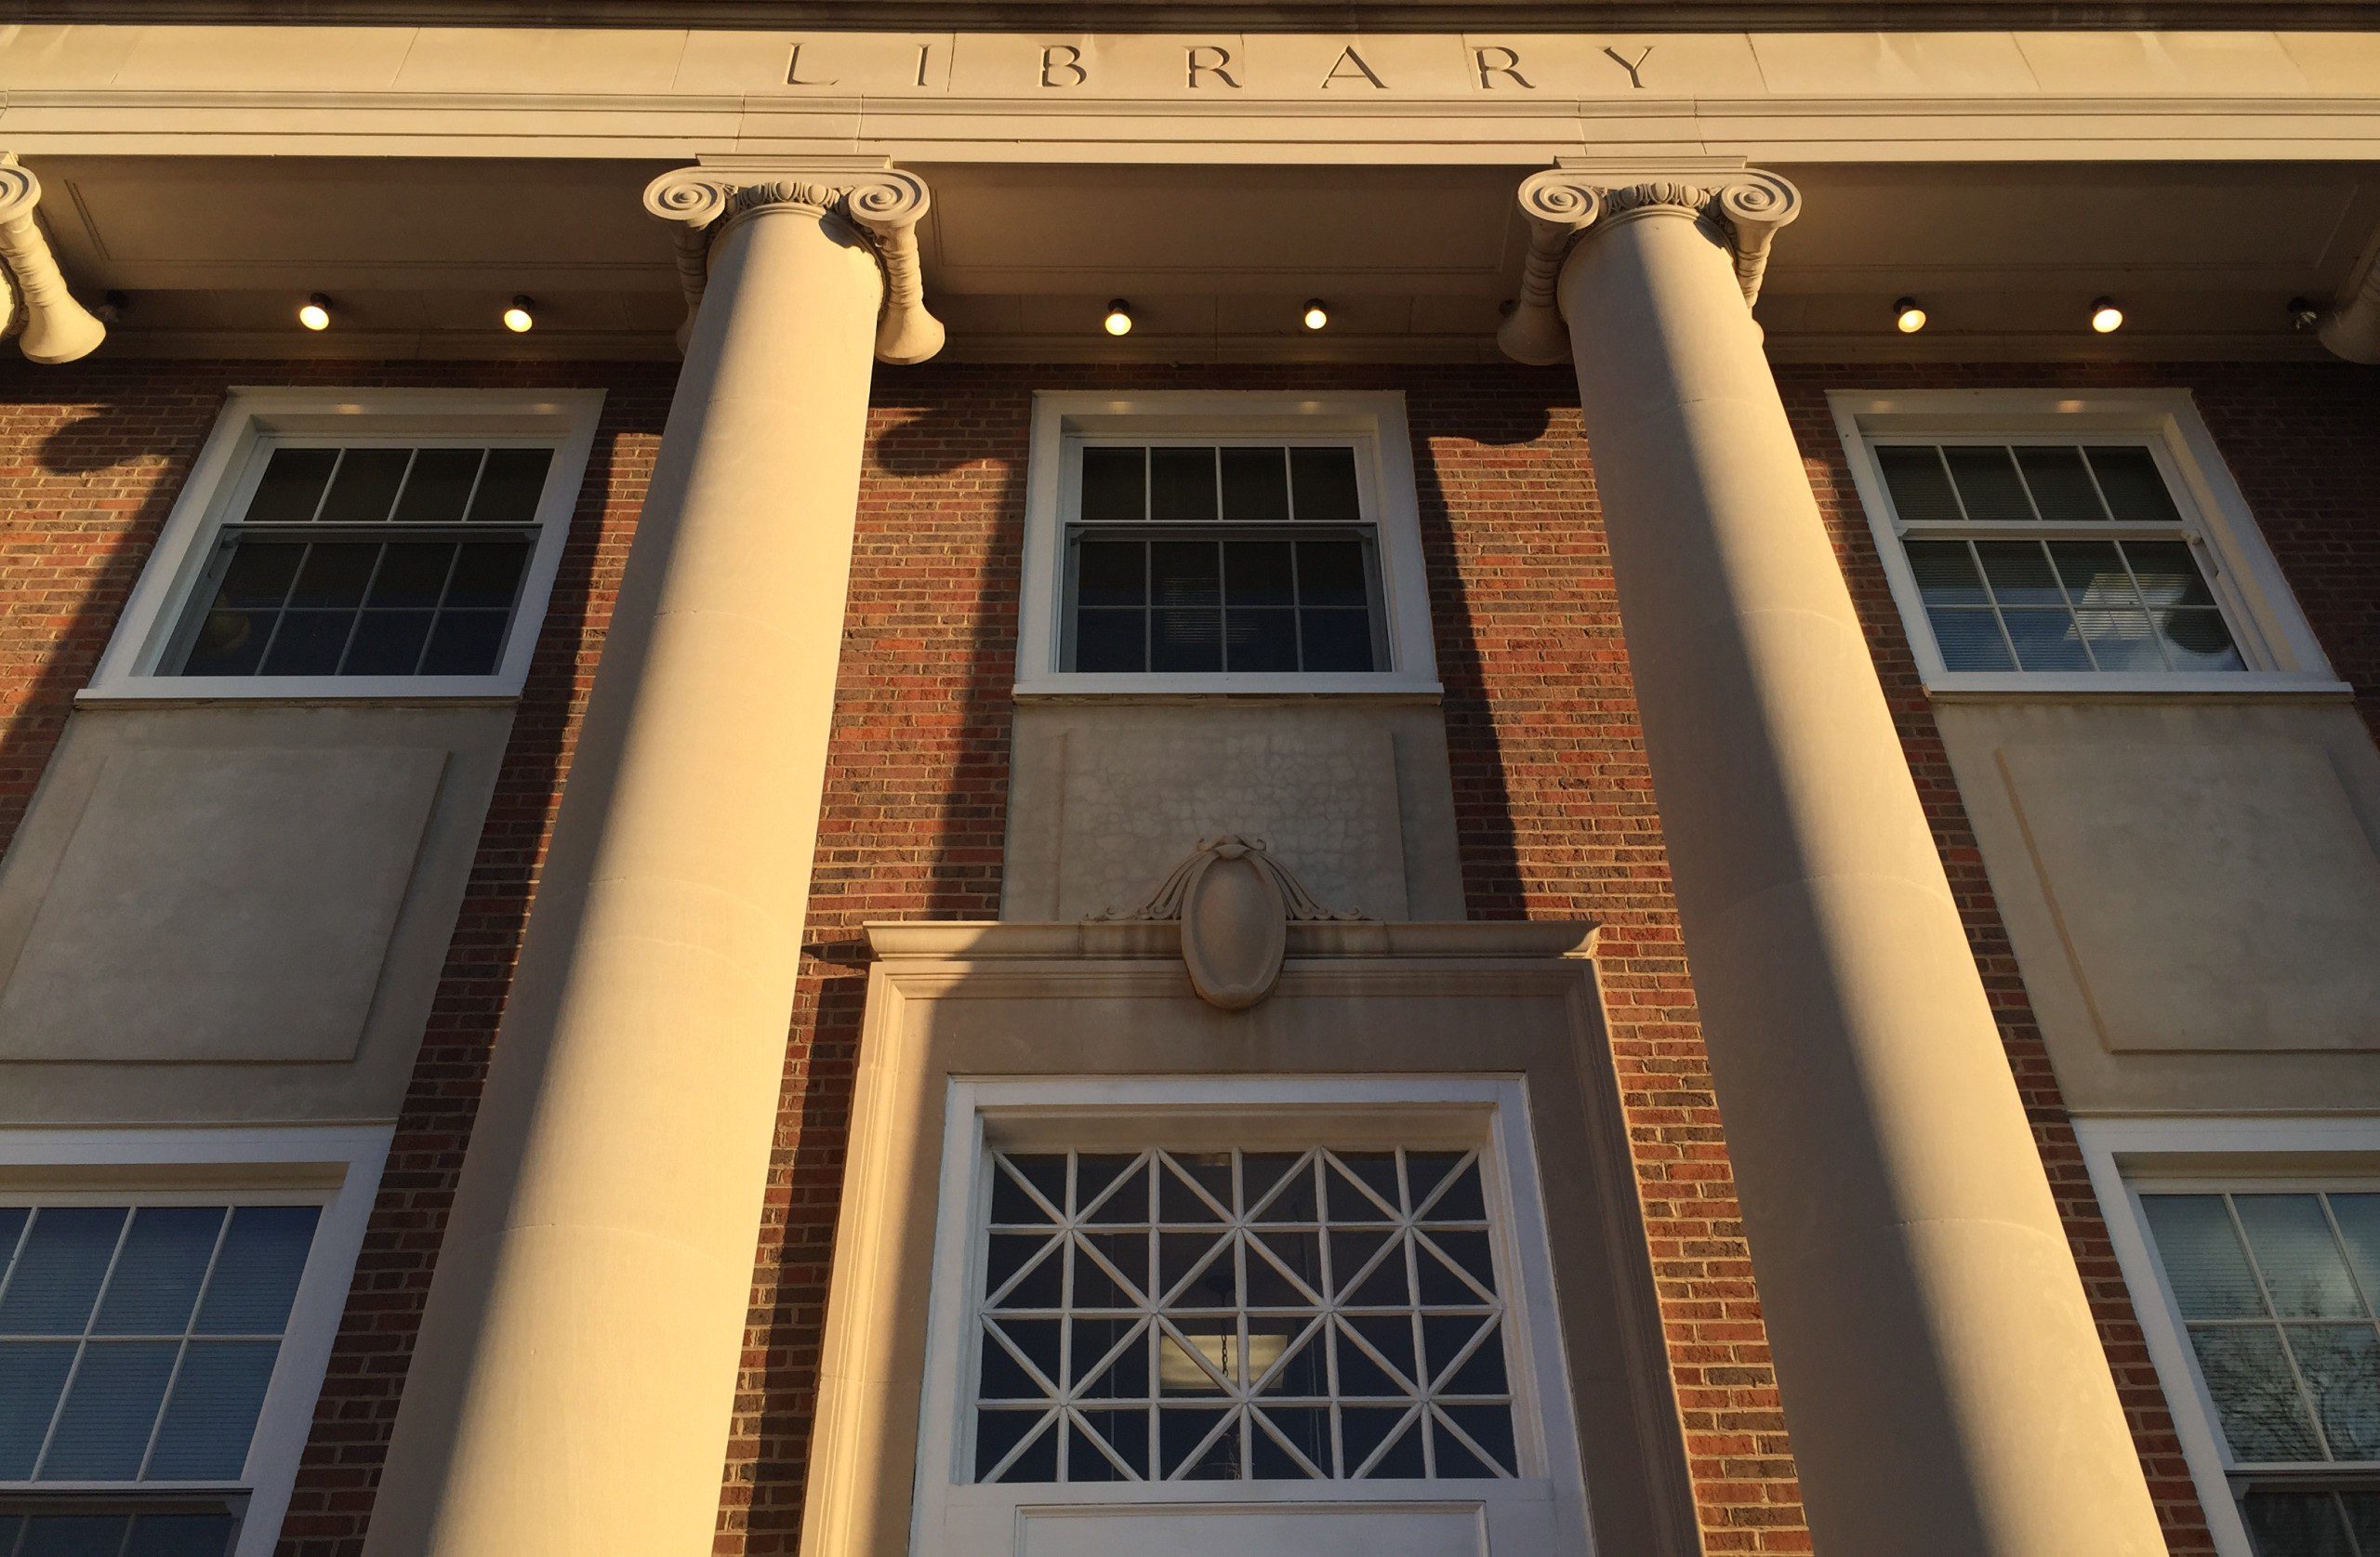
214, 254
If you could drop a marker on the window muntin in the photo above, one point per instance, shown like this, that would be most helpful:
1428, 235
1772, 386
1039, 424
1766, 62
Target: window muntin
2275, 1291
366, 559
1230, 1315
1221, 557
2050, 555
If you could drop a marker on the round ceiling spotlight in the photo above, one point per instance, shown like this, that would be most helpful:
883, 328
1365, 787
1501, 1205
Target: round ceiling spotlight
517, 317
1315, 315
1120, 318
1907, 318
2105, 317
315, 312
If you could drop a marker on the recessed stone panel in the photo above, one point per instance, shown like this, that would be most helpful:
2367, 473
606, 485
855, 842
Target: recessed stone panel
2211, 897
219, 905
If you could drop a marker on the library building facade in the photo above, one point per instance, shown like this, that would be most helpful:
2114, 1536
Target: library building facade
968, 778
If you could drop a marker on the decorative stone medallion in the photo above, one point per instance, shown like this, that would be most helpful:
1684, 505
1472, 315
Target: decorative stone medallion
1235, 903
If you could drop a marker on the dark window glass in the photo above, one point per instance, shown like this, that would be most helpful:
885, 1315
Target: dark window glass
1921, 488
510, 485
1114, 485
1182, 485
438, 486
2062, 488
292, 487
1988, 483
1256, 487
365, 487
1323, 482
2133, 486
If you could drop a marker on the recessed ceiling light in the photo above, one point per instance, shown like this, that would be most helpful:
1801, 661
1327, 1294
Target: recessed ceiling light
2105, 317
315, 312
1120, 318
1907, 318
517, 317
1315, 316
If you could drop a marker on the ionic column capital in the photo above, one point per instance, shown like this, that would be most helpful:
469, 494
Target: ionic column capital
878, 204
55, 328
1745, 207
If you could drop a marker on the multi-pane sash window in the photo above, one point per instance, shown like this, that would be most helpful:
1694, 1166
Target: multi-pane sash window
2277, 1294
1222, 557
366, 560
137, 1343
2054, 555
1240, 1316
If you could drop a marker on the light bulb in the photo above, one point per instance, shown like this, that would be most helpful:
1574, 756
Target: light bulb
1120, 318
517, 317
2105, 317
1316, 316
315, 312
1908, 317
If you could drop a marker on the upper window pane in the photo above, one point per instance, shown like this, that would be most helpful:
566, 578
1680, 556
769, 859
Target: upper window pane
136, 1341
1239, 1315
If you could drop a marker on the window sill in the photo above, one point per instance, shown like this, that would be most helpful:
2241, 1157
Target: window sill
2004, 686
1261, 685
157, 691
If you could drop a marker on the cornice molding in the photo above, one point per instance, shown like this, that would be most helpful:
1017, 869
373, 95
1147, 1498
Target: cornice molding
878, 204
49, 324
1743, 207
1244, 16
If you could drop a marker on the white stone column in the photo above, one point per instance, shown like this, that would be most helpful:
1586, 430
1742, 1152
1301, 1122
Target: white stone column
571, 1388
1944, 1386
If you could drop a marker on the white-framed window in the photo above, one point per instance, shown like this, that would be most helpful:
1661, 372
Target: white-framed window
168, 1303
2252, 1248
1166, 1310
2049, 542
1198, 541
358, 543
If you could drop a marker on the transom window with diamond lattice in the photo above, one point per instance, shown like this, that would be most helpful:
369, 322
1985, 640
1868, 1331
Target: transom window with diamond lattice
1235, 1315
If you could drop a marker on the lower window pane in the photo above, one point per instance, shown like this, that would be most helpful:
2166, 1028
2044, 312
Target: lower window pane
465, 643
2046, 640
388, 643
1336, 640
2296, 1524
2120, 640
228, 644
1185, 639
1111, 641
1970, 640
309, 643
2198, 639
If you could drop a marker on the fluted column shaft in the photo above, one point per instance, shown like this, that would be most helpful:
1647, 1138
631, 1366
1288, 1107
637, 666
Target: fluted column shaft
570, 1392
1945, 1388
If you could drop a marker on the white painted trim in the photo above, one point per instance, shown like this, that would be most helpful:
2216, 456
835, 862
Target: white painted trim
2272, 633
1488, 1112
564, 417
2121, 1155
340, 1165
1385, 466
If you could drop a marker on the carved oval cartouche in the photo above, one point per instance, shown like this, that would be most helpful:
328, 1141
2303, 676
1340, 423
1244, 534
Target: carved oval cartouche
1235, 929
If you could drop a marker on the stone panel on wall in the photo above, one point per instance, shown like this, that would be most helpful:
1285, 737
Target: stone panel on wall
1353, 796
2209, 897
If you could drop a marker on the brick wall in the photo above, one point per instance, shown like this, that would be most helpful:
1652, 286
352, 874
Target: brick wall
1554, 805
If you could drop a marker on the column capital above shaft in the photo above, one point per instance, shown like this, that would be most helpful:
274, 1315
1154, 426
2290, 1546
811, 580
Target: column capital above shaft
878, 202
1743, 206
